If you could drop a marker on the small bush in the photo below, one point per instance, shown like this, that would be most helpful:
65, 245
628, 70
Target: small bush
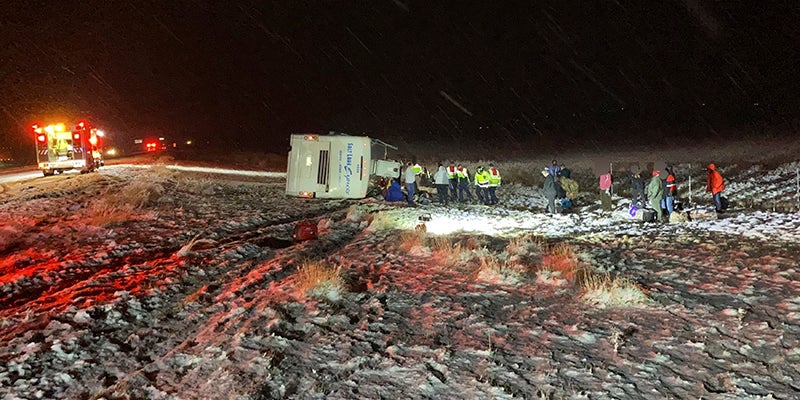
562, 250
525, 245
411, 239
320, 280
603, 291
449, 253
561, 262
137, 194
493, 269
102, 213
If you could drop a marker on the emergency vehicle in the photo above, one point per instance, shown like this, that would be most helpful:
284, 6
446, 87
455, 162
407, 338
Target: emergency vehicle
336, 166
61, 148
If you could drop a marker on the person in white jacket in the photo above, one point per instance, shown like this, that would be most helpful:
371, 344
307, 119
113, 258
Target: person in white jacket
411, 183
442, 181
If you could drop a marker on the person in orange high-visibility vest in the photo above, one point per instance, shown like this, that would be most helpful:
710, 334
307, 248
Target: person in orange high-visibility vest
715, 185
464, 182
669, 191
494, 182
451, 175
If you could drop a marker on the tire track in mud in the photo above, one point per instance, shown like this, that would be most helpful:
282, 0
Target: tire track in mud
76, 270
173, 284
128, 270
226, 287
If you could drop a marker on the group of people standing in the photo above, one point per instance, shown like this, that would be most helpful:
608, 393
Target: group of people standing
454, 183
558, 184
662, 190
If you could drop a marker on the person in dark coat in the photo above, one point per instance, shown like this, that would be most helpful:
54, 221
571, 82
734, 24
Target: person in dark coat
550, 191
637, 189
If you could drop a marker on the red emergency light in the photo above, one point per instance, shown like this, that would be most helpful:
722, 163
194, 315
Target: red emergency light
41, 138
76, 136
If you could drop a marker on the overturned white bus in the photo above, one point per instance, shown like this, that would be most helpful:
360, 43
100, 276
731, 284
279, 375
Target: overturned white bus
336, 166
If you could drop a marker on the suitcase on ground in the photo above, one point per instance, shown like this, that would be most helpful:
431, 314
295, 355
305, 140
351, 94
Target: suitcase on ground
648, 215
304, 230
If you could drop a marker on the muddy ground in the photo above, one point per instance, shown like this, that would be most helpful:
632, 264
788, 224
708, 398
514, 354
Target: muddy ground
192, 293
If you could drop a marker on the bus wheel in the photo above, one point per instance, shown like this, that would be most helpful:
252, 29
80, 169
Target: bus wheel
47, 172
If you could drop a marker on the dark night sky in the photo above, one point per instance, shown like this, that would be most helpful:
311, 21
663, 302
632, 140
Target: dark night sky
250, 72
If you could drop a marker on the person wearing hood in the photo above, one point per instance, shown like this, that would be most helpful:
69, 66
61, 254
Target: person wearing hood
394, 192
715, 185
637, 188
554, 169
442, 181
550, 191
655, 192
570, 187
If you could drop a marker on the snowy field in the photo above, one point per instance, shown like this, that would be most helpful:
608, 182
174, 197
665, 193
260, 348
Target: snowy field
171, 283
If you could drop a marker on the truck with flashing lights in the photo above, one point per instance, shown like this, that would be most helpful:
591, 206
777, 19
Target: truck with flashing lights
61, 148
337, 166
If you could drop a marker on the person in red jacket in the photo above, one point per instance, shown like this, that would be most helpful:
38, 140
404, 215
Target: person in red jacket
715, 185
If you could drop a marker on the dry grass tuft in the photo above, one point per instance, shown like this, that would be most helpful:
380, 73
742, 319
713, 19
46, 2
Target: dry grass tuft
448, 252
475, 242
137, 194
562, 250
117, 205
496, 270
104, 214
411, 239
320, 280
525, 244
604, 291
561, 262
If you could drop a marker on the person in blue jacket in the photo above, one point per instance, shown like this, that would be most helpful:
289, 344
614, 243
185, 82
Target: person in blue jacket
394, 193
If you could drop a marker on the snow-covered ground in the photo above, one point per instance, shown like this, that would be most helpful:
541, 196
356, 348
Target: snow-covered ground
169, 283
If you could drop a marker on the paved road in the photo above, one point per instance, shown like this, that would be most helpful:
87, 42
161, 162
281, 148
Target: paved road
21, 174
